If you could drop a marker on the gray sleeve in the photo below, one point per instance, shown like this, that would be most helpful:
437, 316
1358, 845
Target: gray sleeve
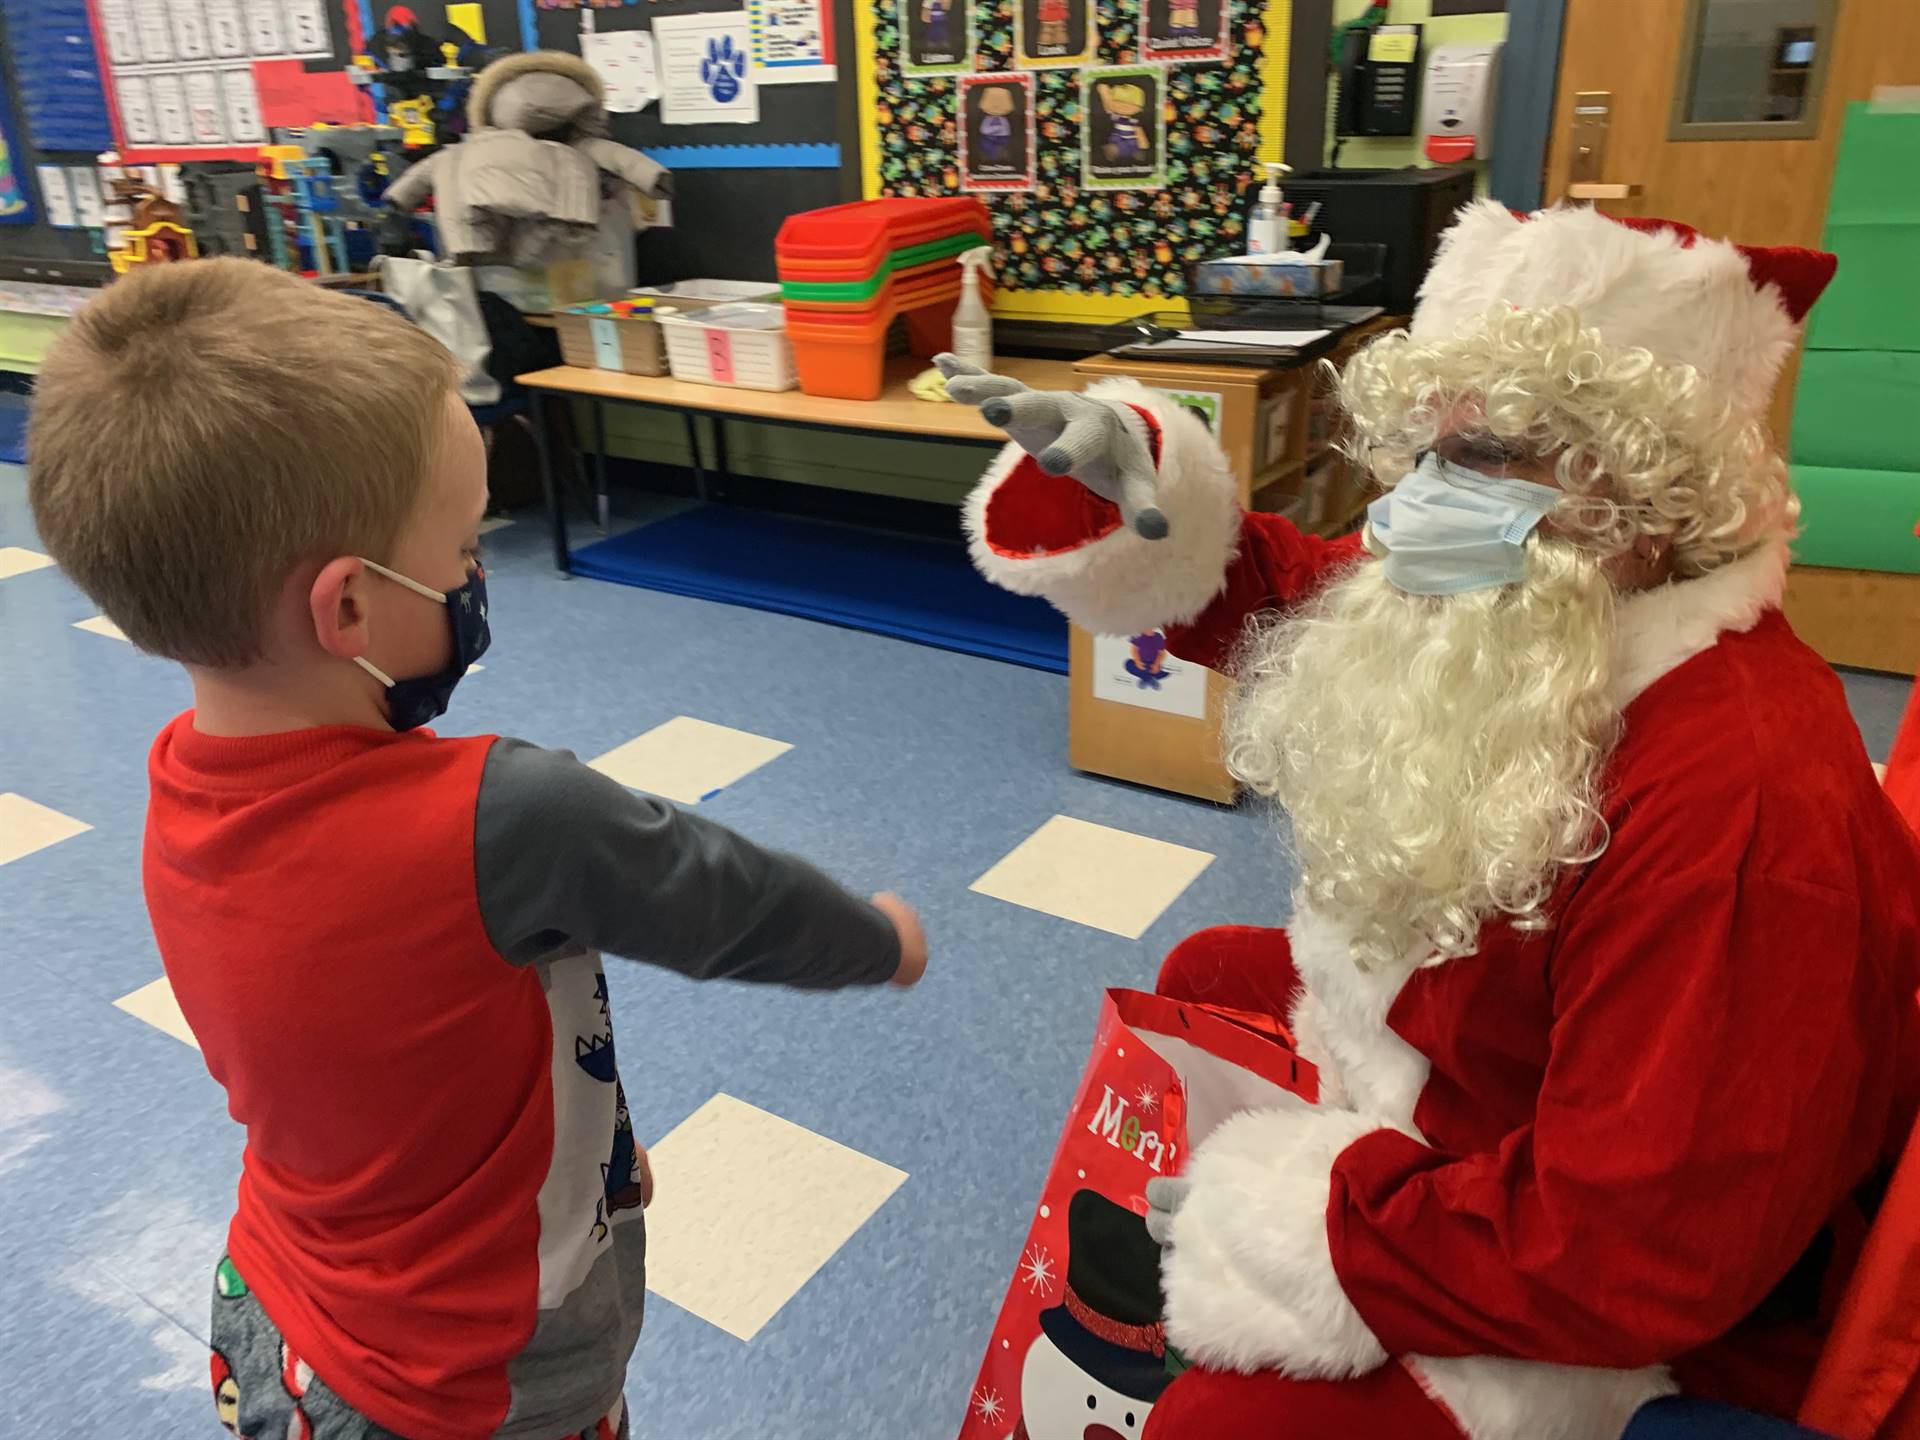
562, 853
411, 187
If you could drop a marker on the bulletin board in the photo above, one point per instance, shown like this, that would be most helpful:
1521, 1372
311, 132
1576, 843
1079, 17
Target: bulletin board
734, 184
1100, 226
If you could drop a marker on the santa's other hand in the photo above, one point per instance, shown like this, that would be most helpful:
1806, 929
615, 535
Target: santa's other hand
1165, 1196
913, 940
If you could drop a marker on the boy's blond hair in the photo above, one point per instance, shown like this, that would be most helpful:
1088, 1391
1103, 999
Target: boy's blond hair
204, 427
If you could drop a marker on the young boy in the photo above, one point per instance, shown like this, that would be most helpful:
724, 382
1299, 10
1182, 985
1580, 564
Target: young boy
385, 941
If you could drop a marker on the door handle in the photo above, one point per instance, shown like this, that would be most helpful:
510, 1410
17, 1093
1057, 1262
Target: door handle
1596, 190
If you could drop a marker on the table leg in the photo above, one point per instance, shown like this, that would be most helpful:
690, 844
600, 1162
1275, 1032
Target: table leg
549, 485
700, 487
722, 474
600, 461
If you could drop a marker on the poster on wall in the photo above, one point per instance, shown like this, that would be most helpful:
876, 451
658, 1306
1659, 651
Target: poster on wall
704, 75
792, 41
936, 37
996, 124
182, 71
1053, 34
1124, 137
1183, 31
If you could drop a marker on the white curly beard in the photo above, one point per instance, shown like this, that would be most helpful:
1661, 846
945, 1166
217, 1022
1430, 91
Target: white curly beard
1439, 758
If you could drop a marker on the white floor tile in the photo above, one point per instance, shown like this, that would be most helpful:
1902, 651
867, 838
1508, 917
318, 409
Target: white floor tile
1109, 879
26, 826
495, 522
101, 625
15, 560
154, 1003
747, 1207
688, 760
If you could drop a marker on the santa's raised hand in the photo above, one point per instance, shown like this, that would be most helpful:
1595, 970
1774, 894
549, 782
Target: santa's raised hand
1068, 434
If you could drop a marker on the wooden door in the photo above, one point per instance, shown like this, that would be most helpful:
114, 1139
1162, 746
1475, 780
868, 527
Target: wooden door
1761, 191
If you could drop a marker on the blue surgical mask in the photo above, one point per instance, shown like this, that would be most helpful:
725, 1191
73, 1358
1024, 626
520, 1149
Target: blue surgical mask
412, 702
1447, 529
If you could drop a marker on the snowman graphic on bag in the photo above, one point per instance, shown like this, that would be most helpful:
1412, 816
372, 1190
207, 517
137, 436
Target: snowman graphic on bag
1100, 1360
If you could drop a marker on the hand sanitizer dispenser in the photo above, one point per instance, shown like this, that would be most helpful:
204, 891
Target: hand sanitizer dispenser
1463, 82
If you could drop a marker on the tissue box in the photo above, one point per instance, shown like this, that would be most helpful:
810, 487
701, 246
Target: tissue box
1257, 275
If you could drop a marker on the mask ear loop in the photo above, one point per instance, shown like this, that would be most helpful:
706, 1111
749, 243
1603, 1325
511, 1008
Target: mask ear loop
386, 680
399, 579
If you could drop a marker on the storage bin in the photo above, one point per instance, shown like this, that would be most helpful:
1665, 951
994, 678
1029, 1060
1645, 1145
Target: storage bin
845, 357
879, 261
850, 232
691, 294
632, 344
740, 345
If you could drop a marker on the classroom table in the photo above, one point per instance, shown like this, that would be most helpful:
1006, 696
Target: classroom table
896, 412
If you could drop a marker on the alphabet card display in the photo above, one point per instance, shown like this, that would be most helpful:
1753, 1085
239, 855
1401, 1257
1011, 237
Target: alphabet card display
1125, 128
996, 123
182, 73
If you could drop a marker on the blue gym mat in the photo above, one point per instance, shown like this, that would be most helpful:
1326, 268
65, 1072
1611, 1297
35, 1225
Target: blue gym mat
13, 429
921, 590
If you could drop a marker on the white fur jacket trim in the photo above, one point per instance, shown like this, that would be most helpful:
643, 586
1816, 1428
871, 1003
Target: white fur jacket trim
1249, 1277
1121, 584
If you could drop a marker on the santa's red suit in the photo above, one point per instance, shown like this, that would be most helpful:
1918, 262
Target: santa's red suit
1643, 1142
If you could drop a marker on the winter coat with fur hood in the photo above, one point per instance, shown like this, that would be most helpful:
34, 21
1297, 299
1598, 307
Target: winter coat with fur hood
524, 187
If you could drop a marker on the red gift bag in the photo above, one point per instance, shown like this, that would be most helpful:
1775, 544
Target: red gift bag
1079, 1351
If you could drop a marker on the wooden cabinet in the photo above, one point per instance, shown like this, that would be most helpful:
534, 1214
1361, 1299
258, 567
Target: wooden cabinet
1135, 714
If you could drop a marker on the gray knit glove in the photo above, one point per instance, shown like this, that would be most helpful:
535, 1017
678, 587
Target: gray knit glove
1165, 1196
1068, 435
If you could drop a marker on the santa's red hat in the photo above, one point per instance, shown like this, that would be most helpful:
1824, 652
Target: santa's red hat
1732, 312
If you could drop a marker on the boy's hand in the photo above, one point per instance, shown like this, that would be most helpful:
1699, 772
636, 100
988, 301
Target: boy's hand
913, 940
646, 1174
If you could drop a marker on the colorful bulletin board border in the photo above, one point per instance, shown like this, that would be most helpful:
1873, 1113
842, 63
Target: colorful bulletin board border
936, 37
1065, 253
996, 160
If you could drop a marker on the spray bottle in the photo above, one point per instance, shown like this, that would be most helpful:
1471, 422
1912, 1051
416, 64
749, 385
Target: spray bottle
1267, 235
972, 323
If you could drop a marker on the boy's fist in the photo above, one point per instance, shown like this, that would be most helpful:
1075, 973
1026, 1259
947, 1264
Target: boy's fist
913, 940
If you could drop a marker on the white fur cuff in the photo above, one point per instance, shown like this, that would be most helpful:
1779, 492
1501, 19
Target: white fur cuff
1249, 1278
1121, 584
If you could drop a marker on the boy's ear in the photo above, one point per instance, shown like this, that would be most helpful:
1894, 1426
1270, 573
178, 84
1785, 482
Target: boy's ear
337, 602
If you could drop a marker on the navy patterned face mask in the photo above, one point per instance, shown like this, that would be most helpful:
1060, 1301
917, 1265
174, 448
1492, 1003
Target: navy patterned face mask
412, 702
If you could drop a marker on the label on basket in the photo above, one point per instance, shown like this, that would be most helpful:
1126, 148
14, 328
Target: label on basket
720, 356
606, 343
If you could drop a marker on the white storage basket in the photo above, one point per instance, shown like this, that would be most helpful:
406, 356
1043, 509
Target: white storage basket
741, 345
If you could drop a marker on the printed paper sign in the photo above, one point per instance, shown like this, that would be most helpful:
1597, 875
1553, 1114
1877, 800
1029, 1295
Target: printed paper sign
1183, 30
936, 37
606, 343
190, 38
89, 206
56, 197
705, 78
227, 29
156, 30
1142, 672
791, 41
1204, 405
1124, 135
624, 60
996, 125
1053, 34
206, 111
123, 35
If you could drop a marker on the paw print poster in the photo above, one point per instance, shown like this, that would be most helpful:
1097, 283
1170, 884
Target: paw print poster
705, 76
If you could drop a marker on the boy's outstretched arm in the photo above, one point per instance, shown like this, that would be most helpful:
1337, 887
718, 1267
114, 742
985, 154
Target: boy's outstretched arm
565, 856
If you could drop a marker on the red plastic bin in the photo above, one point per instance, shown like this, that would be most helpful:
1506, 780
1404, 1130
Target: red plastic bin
849, 362
850, 232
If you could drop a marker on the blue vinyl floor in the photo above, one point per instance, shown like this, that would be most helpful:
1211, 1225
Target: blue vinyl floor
912, 768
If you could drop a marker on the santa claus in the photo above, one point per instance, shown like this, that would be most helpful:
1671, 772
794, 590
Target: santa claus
1604, 939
